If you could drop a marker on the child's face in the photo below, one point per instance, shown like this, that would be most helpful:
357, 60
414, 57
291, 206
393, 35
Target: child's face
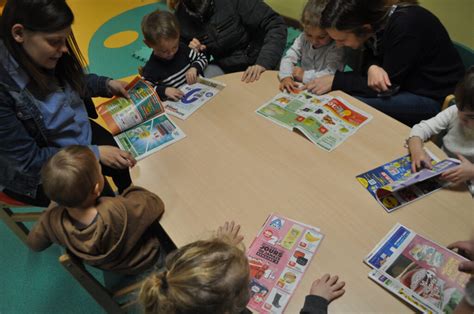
316, 36
466, 117
165, 48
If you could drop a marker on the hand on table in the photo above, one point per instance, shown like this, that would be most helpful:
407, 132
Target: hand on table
328, 287
320, 85
191, 76
252, 73
460, 174
116, 158
377, 79
419, 157
173, 93
466, 249
230, 232
289, 85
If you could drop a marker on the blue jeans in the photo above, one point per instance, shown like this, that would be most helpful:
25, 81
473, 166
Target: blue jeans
405, 107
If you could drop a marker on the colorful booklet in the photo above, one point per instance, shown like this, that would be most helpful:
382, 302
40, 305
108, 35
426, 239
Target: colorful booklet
417, 270
194, 97
278, 258
393, 184
326, 121
139, 124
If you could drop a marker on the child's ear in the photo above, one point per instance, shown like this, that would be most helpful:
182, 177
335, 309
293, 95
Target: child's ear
97, 190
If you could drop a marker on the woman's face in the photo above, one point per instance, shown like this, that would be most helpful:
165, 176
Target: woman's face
346, 38
45, 49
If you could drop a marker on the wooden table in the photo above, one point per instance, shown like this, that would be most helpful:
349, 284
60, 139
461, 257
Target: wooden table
236, 165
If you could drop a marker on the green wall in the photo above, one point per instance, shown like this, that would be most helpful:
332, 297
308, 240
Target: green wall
456, 15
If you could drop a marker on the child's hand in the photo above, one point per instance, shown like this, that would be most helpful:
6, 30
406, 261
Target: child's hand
377, 79
466, 249
419, 157
196, 45
320, 85
460, 174
289, 85
328, 287
116, 158
191, 76
173, 93
230, 232
298, 74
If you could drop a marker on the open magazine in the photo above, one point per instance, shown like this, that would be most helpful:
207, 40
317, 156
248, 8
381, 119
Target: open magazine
326, 121
139, 124
195, 96
278, 258
394, 185
418, 271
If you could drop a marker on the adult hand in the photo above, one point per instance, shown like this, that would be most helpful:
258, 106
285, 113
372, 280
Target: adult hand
116, 158
230, 232
196, 45
460, 174
191, 76
328, 287
298, 74
466, 249
252, 73
377, 79
117, 88
289, 85
173, 93
320, 85
419, 157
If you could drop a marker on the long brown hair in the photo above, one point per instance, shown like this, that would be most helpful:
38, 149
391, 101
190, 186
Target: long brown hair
44, 16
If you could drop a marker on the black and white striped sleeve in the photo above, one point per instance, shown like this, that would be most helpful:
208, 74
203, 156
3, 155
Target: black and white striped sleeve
198, 60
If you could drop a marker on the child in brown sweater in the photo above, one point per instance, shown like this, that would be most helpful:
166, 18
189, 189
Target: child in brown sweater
111, 233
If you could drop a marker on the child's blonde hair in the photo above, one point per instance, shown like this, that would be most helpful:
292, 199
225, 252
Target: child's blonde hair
312, 11
160, 25
202, 277
70, 176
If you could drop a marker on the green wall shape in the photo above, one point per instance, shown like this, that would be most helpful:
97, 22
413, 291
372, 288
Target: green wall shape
119, 62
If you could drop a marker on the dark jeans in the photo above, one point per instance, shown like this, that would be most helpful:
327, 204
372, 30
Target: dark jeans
405, 107
121, 177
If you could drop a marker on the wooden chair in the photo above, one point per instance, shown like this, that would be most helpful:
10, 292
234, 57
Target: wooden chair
15, 221
111, 300
108, 299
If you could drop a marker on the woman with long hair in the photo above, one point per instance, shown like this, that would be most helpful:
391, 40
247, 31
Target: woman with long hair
45, 98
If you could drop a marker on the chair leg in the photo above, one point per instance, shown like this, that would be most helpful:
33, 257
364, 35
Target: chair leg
88, 282
16, 227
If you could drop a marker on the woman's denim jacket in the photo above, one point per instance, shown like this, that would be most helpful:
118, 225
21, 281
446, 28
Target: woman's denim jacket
24, 144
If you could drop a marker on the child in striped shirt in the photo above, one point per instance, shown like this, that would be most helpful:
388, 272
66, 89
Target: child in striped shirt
172, 63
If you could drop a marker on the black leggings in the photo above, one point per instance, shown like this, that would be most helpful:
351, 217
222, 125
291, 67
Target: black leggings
121, 177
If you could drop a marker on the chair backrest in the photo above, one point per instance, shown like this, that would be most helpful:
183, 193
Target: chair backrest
107, 299
466, 53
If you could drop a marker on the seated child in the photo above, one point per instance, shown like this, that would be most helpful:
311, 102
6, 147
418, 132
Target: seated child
212, 276
458, 123
111, 233
314, 49
172, 63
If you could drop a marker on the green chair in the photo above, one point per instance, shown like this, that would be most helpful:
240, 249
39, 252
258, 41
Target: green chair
466, 53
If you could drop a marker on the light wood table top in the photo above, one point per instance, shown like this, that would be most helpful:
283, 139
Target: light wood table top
237, 165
